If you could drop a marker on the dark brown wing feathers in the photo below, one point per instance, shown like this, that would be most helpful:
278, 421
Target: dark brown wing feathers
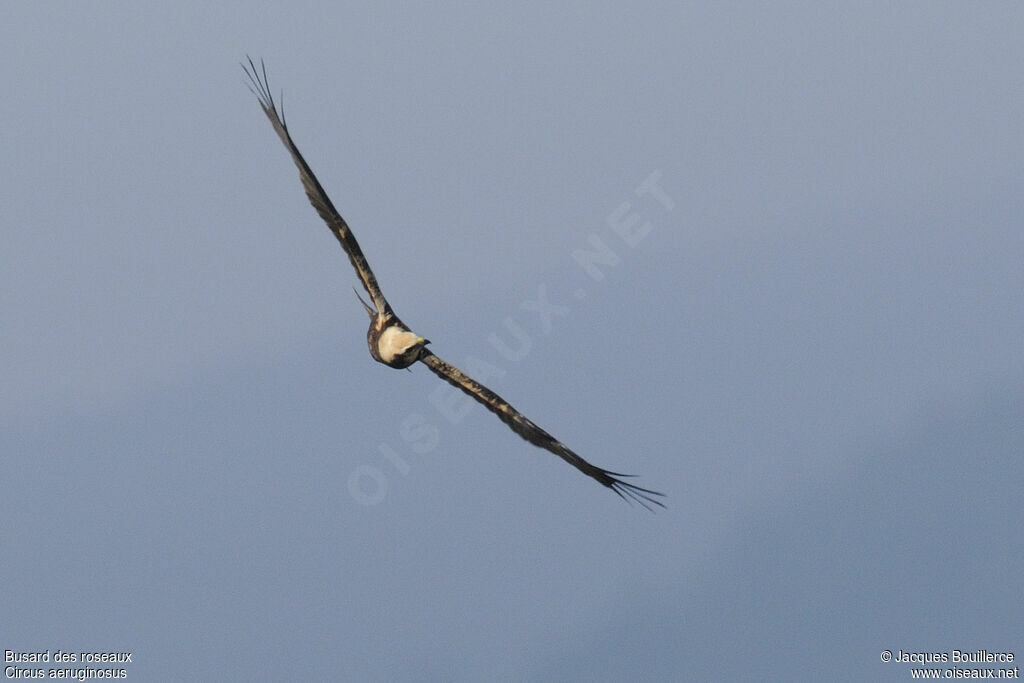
525, 428
317, 197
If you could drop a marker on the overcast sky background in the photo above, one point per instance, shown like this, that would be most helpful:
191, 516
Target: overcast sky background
816, 350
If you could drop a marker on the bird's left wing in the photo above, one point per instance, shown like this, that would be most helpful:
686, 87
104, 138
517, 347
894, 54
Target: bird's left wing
317, 197
525, 428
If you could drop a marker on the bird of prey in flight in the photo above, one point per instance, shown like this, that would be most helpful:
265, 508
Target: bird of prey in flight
395, 345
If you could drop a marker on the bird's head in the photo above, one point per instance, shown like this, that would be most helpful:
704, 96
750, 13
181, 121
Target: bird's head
395, 345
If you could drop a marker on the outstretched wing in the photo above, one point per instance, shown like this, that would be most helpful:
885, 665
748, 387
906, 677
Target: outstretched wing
525, 428
317, 197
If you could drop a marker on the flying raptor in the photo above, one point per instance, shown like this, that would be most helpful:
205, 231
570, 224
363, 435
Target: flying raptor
392, 343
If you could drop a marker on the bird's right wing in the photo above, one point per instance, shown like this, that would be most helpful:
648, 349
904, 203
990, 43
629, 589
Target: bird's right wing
525, 428
317, 197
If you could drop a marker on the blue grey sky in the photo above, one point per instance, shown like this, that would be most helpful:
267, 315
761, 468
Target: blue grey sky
810, 338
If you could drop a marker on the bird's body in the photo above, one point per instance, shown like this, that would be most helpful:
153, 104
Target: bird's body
392, 343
